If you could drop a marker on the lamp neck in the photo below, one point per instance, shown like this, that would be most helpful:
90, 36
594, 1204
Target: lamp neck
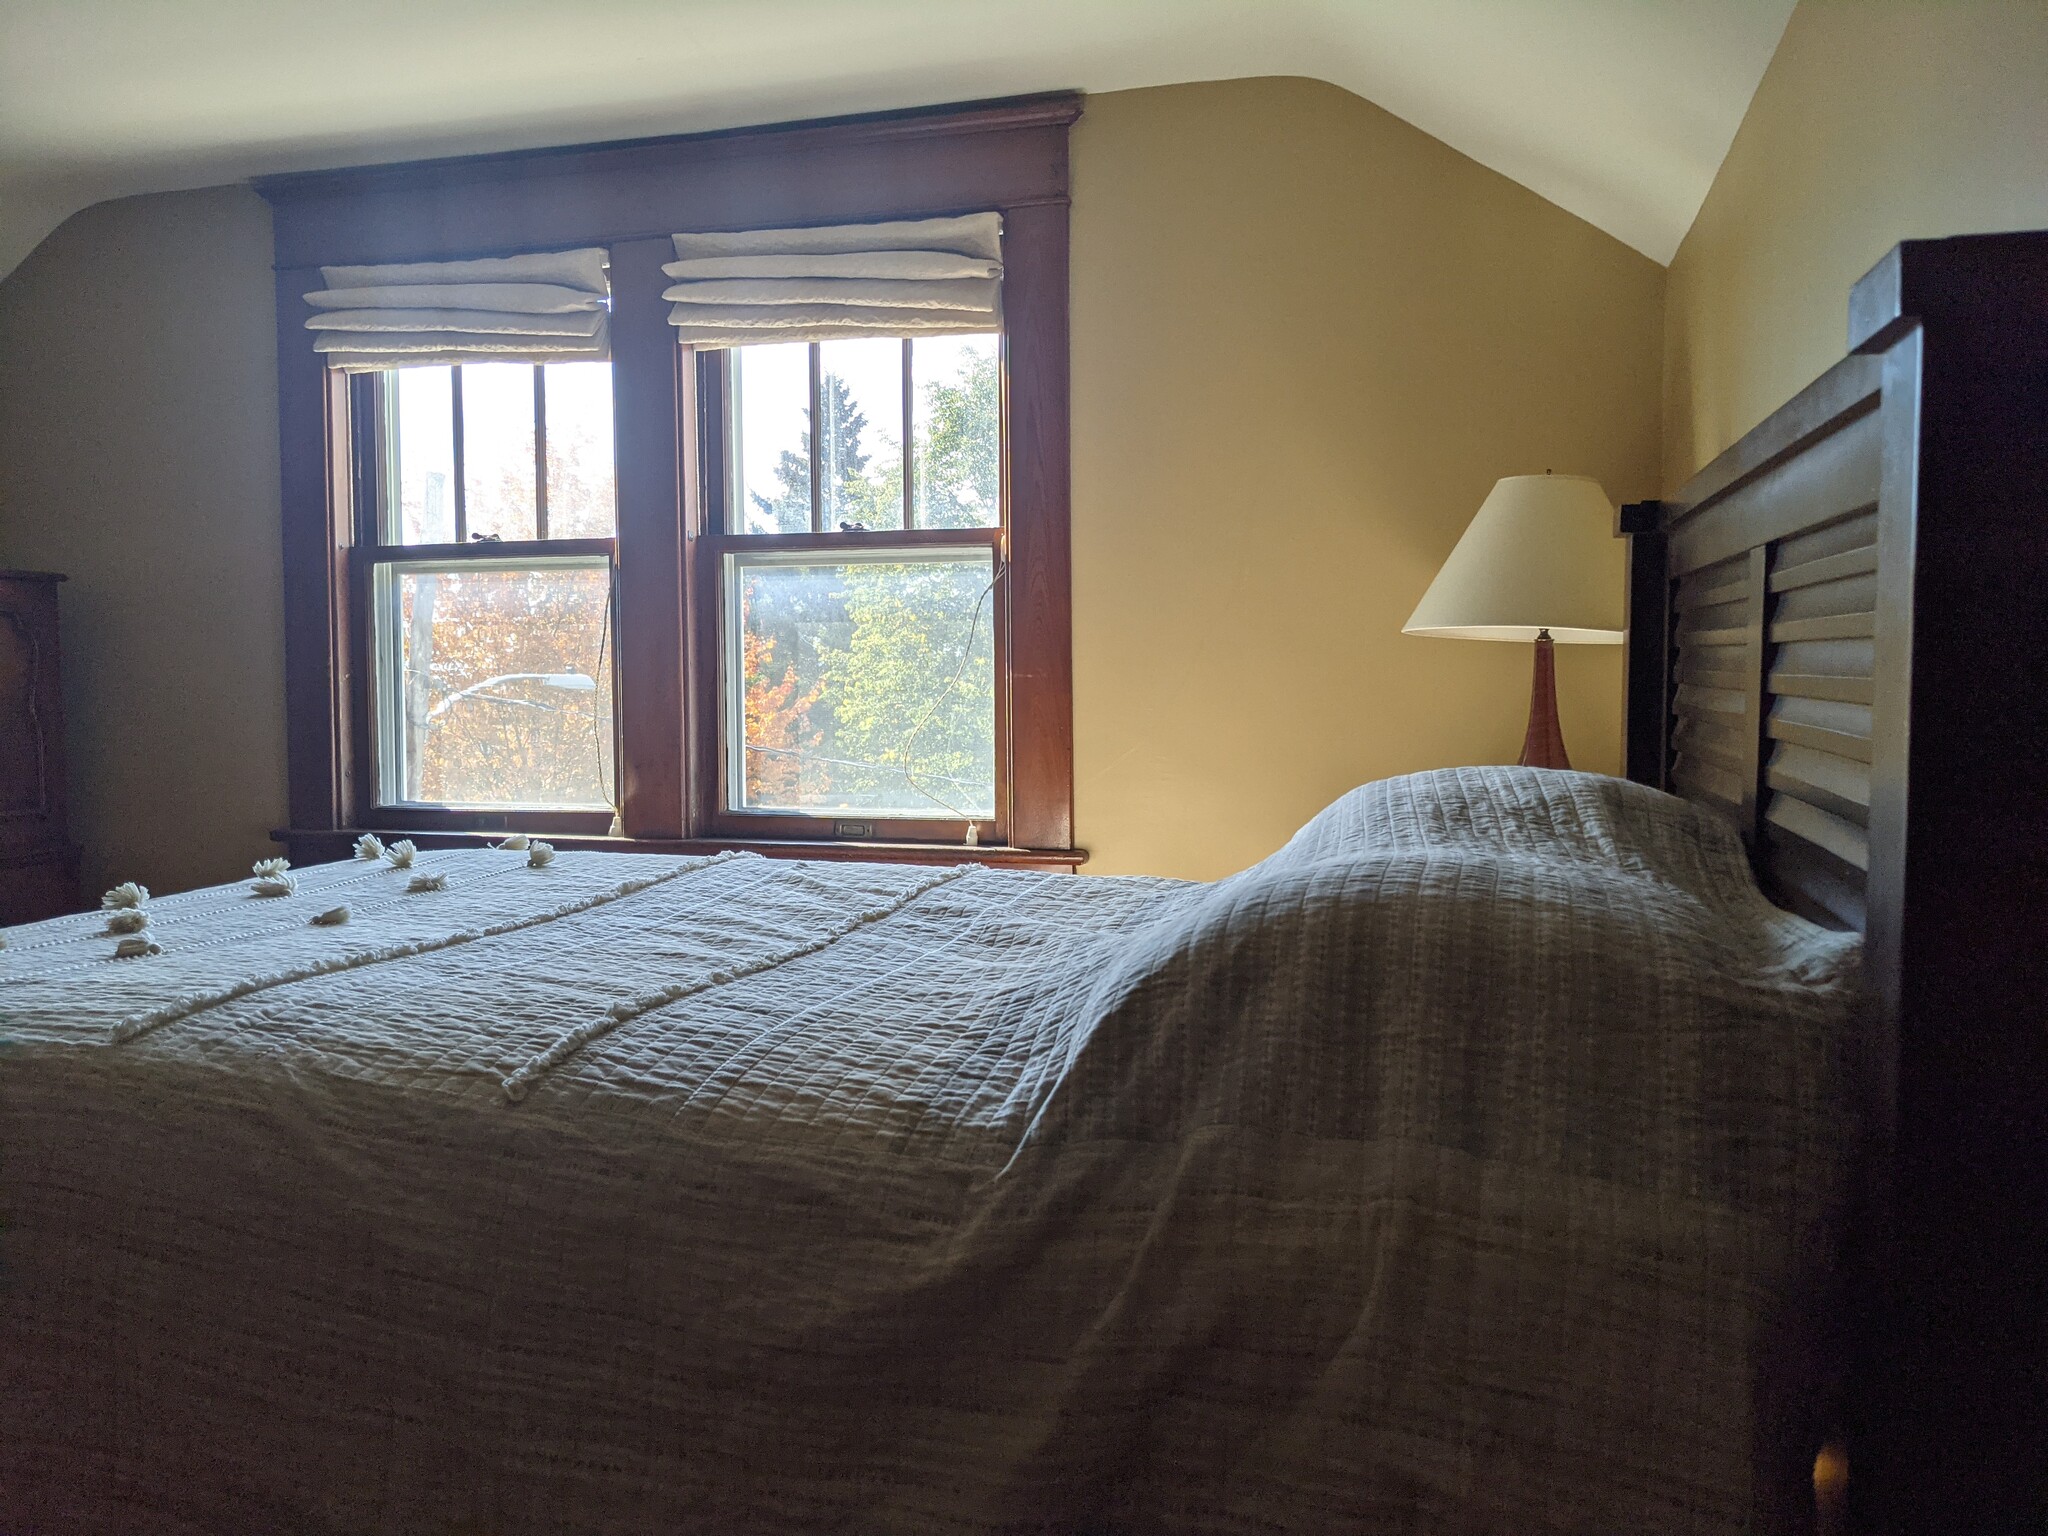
1543, 745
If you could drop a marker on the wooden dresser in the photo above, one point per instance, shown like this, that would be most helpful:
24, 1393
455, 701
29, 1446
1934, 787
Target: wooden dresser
38, 864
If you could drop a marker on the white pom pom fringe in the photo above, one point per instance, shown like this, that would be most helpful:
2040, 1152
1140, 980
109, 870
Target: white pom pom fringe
369, 846
275, 885
540, 855
333, 917
126, 894
136, 948
270, 869
127, 920
420, 883
400, 853
516, 842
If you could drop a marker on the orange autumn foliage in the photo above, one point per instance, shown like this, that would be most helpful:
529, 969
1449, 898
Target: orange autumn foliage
779, 731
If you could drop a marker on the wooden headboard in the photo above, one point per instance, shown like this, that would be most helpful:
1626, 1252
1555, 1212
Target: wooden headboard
1838, 638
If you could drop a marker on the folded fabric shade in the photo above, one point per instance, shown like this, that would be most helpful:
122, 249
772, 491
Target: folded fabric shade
482, 321
938, 265
512, 298
551, 306
907, 277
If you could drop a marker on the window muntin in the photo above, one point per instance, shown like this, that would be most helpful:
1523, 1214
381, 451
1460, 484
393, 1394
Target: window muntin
860, 682
493, 683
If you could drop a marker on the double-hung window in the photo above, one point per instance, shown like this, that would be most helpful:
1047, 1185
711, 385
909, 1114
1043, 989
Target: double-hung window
859, 598
855, 574
687, 493
485, 590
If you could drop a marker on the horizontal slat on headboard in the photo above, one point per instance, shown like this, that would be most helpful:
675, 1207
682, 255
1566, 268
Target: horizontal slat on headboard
1834, 475
1834, 783
1843, 729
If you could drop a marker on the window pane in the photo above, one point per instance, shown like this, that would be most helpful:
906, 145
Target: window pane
771, 432
492, 689
861, 686
956, 419
582, 500
422, 427
497, 448
860, 440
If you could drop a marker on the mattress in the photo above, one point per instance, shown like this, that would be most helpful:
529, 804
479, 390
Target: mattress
1476, 1163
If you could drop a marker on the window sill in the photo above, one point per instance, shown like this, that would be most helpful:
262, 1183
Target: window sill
309, 846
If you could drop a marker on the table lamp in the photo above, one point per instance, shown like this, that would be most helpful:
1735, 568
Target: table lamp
1539, 562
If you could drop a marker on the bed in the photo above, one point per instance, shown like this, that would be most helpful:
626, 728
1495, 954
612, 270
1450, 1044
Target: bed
1496, 1156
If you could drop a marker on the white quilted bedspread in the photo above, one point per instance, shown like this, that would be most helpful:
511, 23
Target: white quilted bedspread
1475, 1163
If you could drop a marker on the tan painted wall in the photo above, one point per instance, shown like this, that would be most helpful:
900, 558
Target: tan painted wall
1877, 121
138, 454
1307, 339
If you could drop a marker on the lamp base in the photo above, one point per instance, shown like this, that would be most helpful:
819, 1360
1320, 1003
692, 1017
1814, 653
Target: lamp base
1543, 745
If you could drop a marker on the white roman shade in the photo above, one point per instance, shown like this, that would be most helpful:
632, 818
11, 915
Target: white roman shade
544, 308
913, 277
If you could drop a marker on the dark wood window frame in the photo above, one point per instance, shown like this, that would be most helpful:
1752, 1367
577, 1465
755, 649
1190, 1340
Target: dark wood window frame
629, 197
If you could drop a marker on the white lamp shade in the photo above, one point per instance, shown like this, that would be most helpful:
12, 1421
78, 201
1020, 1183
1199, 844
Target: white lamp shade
1540, 554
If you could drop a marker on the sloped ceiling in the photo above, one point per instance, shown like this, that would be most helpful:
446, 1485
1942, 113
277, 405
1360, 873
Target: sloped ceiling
1618, 110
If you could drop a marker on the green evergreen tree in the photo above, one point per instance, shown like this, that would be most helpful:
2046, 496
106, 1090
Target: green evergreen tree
960, 461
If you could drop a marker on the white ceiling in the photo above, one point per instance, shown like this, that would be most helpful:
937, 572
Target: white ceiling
1619, 110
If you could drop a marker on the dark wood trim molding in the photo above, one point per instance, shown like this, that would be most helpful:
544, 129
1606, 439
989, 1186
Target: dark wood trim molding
315, 845
651, 603
888, 165
1039, 601
316, 540
630, 197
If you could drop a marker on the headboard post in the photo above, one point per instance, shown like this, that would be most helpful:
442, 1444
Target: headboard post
1956, 1387
1646, 752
